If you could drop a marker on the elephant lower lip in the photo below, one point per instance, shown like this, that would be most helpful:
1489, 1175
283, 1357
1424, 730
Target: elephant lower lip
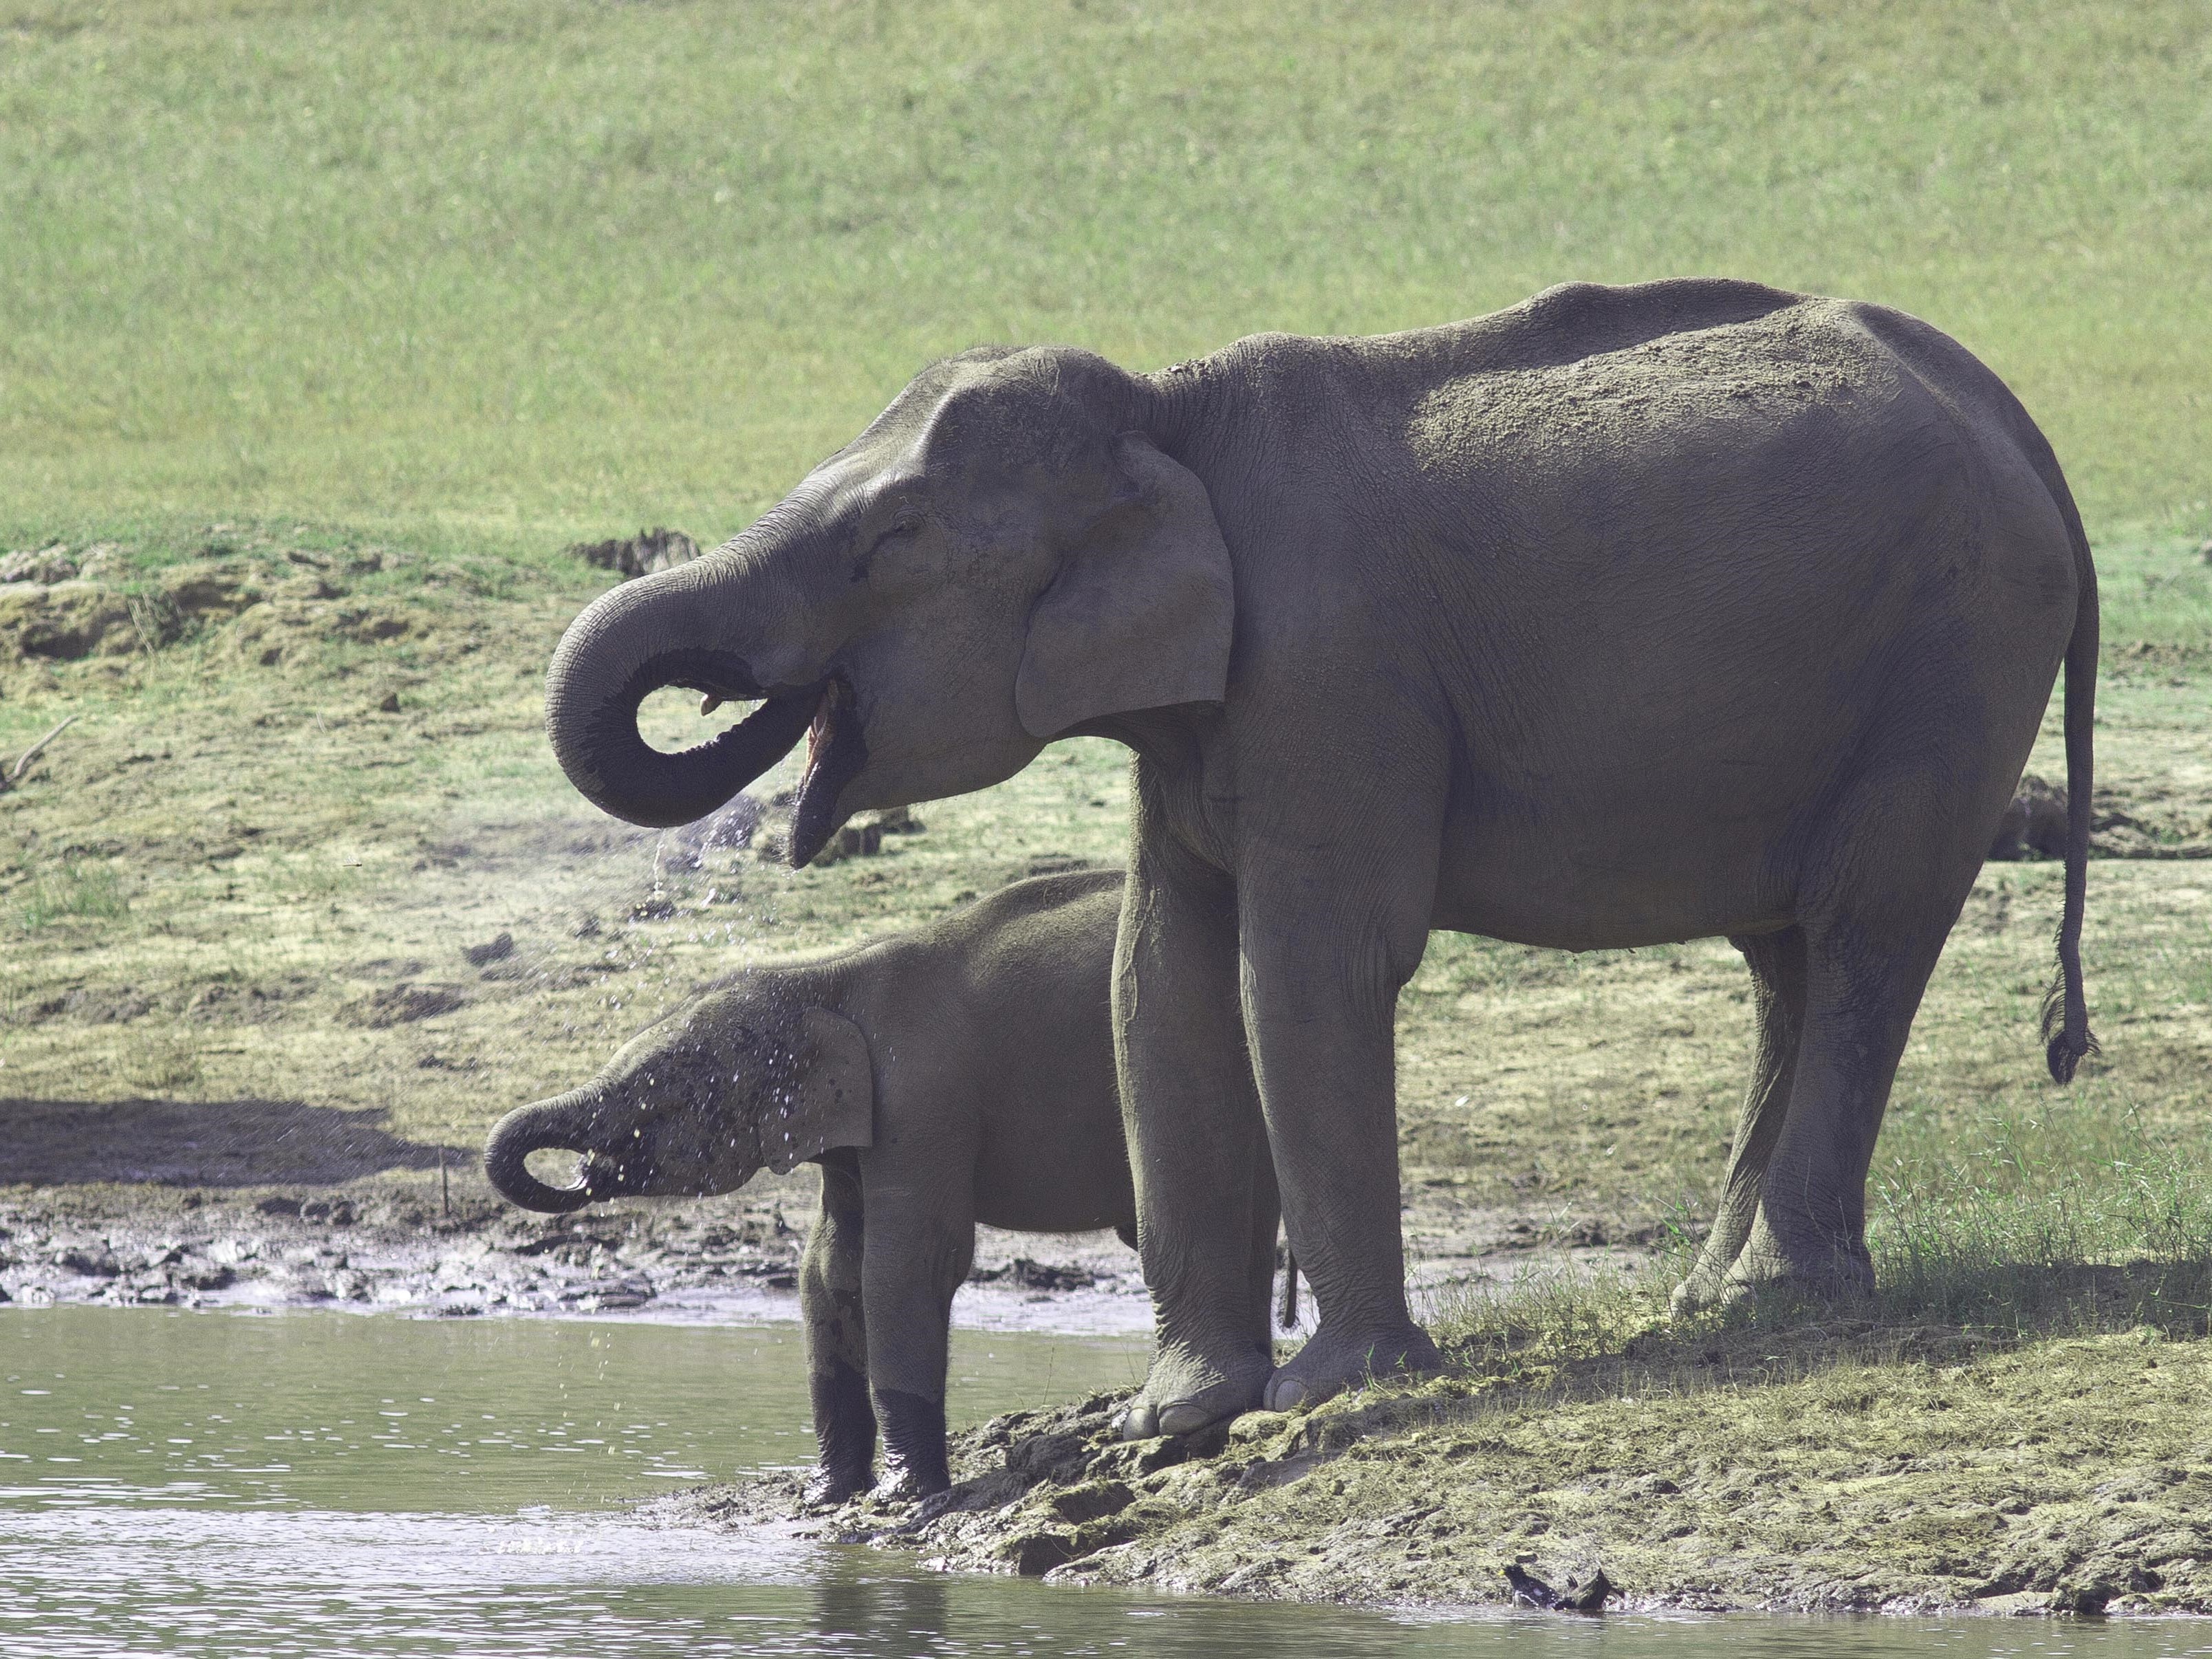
834, 754
818, 731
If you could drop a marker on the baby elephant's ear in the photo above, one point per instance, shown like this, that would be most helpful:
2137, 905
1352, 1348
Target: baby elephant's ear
1141, 612
837, 1103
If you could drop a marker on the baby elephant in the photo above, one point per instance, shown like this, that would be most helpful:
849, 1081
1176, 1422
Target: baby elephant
958, 1074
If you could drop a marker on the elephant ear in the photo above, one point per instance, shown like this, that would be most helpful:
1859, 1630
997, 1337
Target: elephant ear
835, 1097
1141, 612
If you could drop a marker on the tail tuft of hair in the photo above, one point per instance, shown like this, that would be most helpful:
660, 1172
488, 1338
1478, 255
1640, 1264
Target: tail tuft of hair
2067, 1039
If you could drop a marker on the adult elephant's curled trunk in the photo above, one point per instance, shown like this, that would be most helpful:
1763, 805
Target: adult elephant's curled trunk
564, 1123
669, 629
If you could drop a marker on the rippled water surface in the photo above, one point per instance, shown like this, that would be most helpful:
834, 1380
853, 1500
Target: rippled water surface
180, 1483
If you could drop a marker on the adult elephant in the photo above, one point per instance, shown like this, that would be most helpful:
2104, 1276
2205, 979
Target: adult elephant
1623, 616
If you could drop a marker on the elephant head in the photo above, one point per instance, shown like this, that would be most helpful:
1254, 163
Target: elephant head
696, 1104
1004, 556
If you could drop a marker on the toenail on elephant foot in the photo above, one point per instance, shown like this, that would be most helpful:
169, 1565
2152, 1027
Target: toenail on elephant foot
1141, 1422
1178, 1408
1185, 1416
1330, 1363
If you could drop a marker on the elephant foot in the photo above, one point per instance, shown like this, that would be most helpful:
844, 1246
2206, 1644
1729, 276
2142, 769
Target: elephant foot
908, 1484
827, 1488
1718, 1293
1333, 1360
914, 1445
1184, 1393
1826, 1269
1701, 1292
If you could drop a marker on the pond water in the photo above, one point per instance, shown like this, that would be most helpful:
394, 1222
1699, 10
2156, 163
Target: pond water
223, 1484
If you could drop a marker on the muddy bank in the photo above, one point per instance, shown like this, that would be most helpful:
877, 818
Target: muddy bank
408, 1243
363, 1219
1941, 1479
276, 1204
396, 1245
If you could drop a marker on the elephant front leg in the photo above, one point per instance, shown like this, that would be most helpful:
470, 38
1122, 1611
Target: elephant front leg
1320, 996
831, 1309
1195, 1140
921, 1240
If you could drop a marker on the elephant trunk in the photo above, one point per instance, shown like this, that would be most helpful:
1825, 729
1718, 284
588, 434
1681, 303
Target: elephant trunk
564, 1123
672, 629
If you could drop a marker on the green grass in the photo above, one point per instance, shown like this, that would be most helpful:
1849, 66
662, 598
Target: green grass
2154, 592
74, 890
512, 272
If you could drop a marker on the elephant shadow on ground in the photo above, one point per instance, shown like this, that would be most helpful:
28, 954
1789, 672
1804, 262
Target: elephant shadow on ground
227, 1143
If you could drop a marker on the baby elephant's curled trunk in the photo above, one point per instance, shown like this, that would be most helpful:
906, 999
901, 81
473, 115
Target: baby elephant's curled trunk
560, 1124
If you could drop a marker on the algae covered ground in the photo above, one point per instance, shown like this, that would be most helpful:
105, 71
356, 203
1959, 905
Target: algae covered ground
1858, 1469
324, 331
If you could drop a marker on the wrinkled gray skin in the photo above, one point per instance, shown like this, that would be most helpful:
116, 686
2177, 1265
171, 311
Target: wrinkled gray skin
958, 1074
1623, 616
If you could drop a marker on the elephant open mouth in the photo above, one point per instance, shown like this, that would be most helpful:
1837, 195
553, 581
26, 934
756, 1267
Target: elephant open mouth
834, 754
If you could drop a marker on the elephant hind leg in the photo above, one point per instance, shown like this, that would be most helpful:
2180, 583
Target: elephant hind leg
1864, 976
1776, 962
1266, 1223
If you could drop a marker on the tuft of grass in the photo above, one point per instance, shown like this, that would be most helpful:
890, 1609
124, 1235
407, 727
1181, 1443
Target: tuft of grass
2012, 1241
2012, 1234
159, 1060
75, 890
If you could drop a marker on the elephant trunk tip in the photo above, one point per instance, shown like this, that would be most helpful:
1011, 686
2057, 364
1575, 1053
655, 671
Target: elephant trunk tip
597, 741
531, 1129
663, 631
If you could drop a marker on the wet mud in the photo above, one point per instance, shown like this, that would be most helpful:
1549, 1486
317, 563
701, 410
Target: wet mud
418, 1242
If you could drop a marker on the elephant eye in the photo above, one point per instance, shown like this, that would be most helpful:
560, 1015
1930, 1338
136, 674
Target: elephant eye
907, 520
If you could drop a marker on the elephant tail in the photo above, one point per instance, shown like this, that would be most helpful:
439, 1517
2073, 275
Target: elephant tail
1287, 1314
2066, 1037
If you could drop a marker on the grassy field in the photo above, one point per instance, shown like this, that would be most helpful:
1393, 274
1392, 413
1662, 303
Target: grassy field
514, 272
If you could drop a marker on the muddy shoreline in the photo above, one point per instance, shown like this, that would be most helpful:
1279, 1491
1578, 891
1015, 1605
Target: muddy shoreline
434, 1240
406, 1246
1450, 1495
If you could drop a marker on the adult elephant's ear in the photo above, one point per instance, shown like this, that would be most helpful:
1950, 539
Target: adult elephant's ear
834, 1103
1141, 612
